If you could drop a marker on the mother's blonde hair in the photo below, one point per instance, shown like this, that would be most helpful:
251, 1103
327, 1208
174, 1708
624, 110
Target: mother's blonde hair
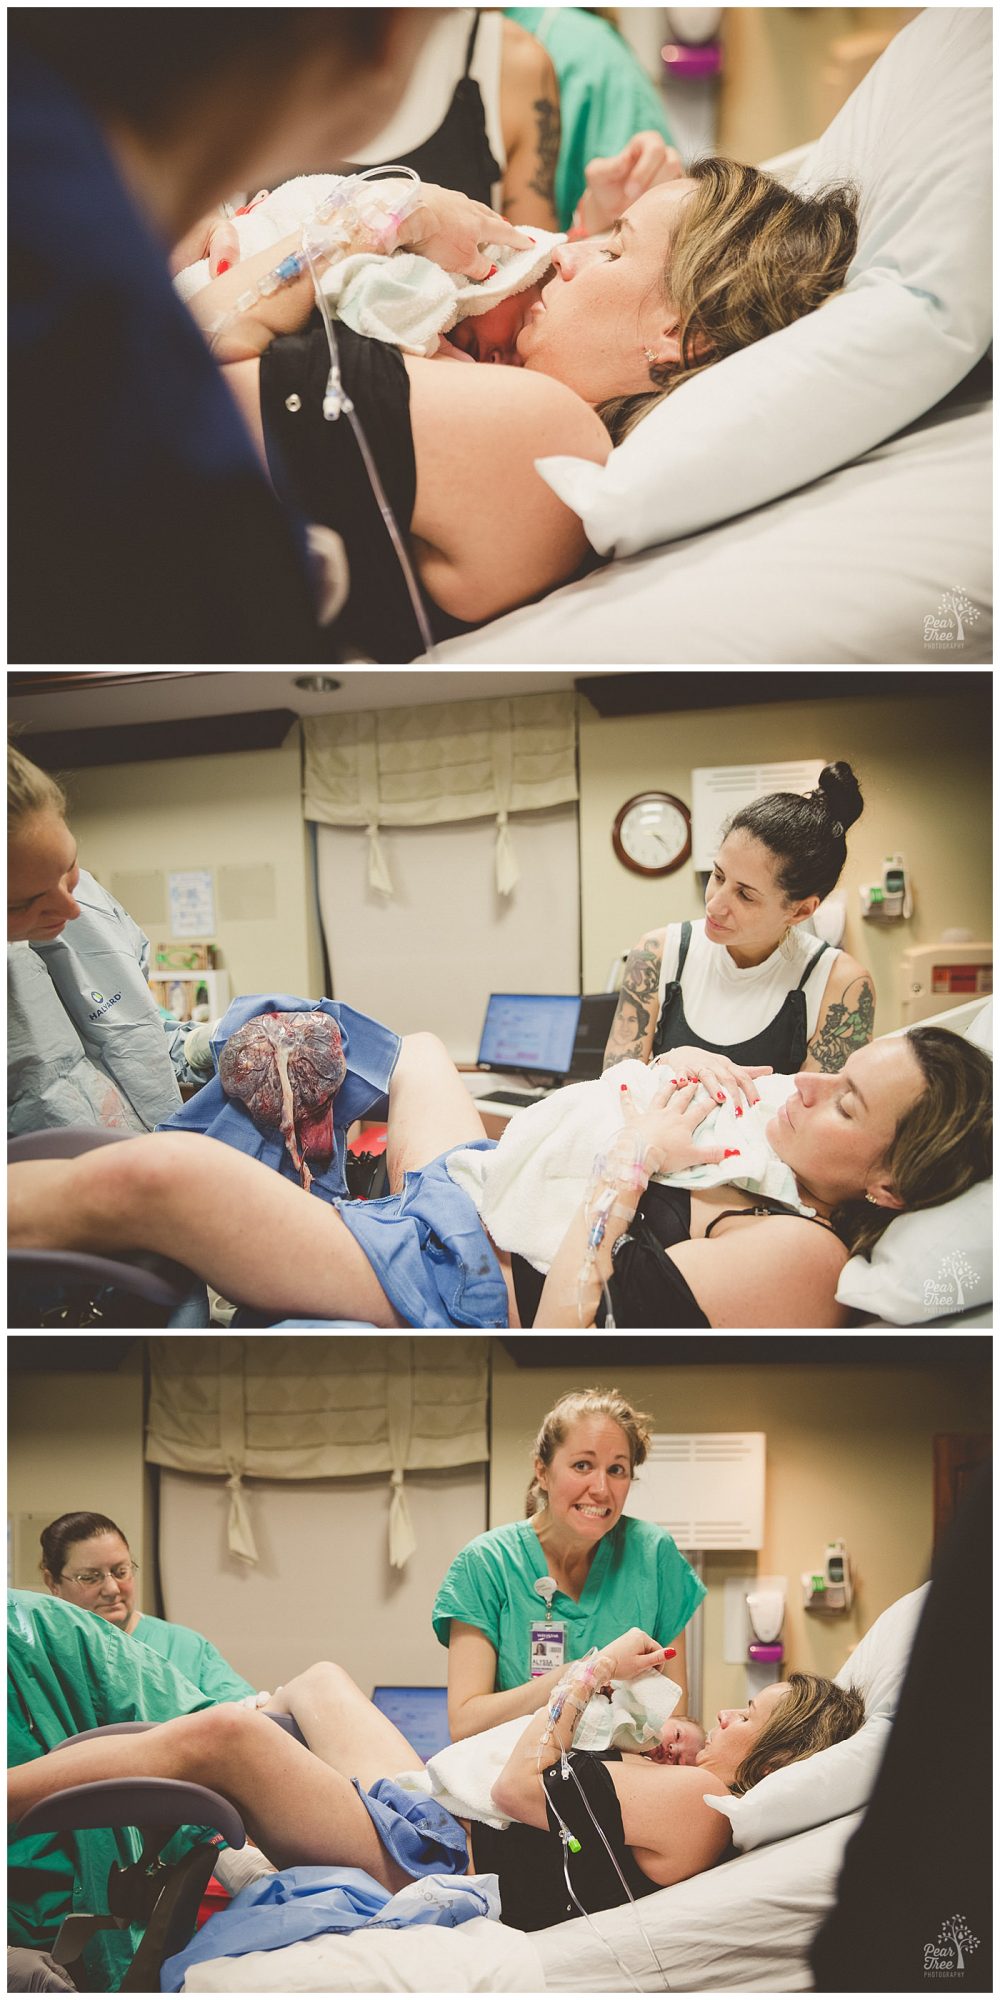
569, 1410
748, 257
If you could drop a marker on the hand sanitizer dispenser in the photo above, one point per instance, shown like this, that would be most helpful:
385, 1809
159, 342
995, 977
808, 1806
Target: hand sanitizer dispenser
766, 1614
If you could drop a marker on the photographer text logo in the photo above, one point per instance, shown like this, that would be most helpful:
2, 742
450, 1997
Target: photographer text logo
945, 1959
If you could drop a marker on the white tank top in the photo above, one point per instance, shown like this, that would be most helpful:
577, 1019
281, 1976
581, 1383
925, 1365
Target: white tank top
438, 67
727, 1003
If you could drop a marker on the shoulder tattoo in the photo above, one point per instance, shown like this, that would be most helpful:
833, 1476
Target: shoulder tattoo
635, 1010
547, 130
847, 1025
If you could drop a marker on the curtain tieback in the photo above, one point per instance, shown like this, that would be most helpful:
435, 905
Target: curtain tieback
240, 1527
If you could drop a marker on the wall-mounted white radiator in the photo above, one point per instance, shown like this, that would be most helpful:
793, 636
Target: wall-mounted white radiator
707, 1489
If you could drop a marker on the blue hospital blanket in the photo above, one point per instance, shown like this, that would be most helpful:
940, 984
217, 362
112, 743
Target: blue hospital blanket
370, 1051
305, 1902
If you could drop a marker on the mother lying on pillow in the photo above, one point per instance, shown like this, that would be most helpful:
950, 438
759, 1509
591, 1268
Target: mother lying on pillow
301, 1807
696, 269
905, 1125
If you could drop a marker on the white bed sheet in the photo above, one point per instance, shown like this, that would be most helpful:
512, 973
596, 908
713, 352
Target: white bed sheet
478, 1957
845, 570
744, 1927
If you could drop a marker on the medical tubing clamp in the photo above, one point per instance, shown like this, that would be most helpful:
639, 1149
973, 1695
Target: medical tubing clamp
589, 1675
345, 224
622, 1167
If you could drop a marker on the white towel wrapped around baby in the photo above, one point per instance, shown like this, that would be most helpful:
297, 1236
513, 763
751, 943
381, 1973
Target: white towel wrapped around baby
403, 299
461, 1777
529, 1189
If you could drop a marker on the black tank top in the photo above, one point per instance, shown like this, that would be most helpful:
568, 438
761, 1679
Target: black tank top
318, 471
529, 1863
646, 1288
458, 154
783, 1043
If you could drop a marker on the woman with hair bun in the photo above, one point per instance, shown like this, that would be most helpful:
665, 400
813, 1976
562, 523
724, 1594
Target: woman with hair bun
748, 990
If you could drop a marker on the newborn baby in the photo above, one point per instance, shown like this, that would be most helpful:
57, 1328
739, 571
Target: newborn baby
680, 1742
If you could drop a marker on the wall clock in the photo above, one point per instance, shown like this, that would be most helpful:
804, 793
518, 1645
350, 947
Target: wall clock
652, 833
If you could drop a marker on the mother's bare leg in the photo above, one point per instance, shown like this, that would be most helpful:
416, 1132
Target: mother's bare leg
342, 1726
429, 1108
256, 1237
296, 1809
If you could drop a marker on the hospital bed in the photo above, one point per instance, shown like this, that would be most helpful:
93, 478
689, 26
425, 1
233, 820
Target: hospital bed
824, 496
745, 1926
152, 1291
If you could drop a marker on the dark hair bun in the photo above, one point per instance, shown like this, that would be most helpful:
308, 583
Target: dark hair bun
841, 793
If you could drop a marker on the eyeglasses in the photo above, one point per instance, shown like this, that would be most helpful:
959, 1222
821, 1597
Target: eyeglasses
88, 1578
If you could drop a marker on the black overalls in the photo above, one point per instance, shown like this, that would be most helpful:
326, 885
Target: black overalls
783, 1043
458, 154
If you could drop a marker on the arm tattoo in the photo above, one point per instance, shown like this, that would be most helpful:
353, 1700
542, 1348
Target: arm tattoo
635, 1012
543, 181
844, 1027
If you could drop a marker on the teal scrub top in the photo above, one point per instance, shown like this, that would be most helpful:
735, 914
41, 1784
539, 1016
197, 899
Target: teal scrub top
605, 96
194, 1657
68, 1670
637, 1577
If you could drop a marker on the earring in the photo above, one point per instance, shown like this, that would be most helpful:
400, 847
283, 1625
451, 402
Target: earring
875, 1203
648, 356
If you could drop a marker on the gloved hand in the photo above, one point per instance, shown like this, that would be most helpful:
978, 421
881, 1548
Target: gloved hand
35, 1972
198, 1048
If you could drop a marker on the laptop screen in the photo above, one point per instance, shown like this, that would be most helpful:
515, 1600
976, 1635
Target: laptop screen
597, 1011
529, 1031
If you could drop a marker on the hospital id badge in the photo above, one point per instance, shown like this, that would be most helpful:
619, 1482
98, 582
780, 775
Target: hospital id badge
548, 1648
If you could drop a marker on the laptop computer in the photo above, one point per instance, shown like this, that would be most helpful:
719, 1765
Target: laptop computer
531, 1035
597, 1011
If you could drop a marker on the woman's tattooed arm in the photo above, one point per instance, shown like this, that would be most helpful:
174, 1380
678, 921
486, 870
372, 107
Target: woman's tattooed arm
845, 1024
638, 1003
529, 114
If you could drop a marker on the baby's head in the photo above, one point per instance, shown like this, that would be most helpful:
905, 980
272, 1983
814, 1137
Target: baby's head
492, 336
681, 1738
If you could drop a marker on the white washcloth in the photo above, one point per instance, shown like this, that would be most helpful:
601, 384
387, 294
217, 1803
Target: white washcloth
528, 1190
461, 1777
403, 299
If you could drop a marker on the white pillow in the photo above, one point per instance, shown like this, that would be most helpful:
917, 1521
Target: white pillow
839, 1780
926, 1265
916, 137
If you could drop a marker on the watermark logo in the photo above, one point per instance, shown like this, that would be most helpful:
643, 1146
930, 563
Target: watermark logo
945, 627
945, 1958
946, 1291
103, 1003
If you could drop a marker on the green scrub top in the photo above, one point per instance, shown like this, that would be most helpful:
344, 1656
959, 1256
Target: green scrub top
637, 1577
194, 1657
605, 96
69, 1670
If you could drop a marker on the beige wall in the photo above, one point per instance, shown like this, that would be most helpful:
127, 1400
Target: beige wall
925, 770
236, 810
75, 1440
848, 1454
787, 71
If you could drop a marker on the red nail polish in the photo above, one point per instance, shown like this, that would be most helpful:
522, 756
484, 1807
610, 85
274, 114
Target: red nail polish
731, 1153
720, 1097
739, 1111
223, 265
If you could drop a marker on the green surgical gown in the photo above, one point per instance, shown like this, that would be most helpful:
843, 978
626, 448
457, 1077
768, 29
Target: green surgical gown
68, 1670
194, 1657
